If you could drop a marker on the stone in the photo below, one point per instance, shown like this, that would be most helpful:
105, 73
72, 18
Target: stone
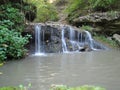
98, 17
117, 38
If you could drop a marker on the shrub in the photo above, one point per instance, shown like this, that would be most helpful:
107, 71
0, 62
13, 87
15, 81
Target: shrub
11, 44
11, 25
12, 17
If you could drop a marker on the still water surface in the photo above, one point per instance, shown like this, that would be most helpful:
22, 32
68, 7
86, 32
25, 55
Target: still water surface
100, 68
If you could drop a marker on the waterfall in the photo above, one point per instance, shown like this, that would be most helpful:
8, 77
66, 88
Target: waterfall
50, 39
38, 42
64, 46
72, 37
89, 39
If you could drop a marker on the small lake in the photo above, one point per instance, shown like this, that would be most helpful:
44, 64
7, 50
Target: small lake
99, 68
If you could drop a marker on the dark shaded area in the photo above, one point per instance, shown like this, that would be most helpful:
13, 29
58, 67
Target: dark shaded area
30, 15
13, 1
28, 9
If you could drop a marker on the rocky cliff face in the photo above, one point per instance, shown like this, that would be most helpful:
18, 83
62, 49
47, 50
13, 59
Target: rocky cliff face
106, 23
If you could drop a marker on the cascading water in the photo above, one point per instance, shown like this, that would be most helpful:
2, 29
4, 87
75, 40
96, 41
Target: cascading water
64, 46
38, 42
89, 39
63, 38
72, 37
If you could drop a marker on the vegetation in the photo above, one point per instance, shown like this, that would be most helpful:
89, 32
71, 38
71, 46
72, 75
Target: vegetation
82, 7
111, 43
11, 44
11, 17
86, 87
9, 88
11, 26
92, 5
77, 8
55, 87
21, 87
86, 27
45, 11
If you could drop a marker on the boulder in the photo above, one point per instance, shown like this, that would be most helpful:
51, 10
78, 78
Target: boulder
117, 38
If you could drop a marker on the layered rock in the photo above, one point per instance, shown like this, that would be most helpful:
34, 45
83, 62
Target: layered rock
107, 23
117, 38
98, 18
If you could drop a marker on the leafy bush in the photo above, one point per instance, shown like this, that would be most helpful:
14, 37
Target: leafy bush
11, 44
11, 17
11, 25
86, 87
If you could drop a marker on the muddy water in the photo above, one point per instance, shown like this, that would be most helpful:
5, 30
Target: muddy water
100, 68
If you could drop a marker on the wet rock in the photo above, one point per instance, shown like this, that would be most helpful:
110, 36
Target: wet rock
85, 48
51, 38
117, 38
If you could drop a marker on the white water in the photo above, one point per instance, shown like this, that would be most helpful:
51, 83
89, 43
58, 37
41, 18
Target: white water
89, 39
72, 37
64, 46
38, 44
75, 41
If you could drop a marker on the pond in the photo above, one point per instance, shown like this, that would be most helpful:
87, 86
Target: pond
99, 68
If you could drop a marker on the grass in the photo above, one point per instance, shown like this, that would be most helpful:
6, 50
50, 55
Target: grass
106, 41
86, 87
86, 27
20, 87
10, 88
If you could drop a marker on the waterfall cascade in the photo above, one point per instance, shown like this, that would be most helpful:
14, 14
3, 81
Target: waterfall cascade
64, 46
61, 38
38, 40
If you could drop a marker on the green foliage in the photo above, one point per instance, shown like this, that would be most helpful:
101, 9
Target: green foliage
82, 7
45, 11
76, 4
11, 44
86, 87
106, 41
10, 88
86, 27
102, 3
78, 8
21, 87
11, 25
12, 17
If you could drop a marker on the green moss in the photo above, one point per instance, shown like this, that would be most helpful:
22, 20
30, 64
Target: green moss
86, 27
